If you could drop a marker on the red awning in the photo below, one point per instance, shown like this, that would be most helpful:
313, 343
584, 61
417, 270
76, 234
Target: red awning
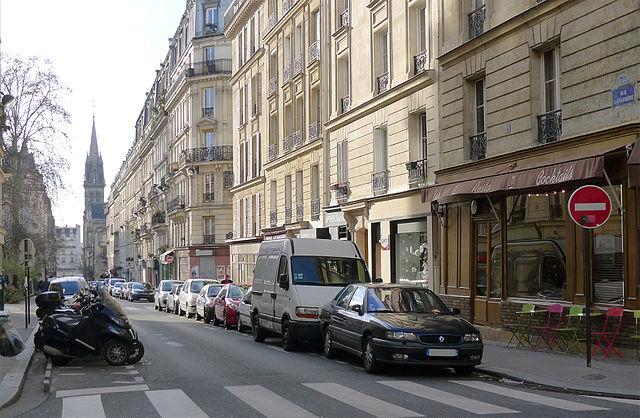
519, 179
634, 166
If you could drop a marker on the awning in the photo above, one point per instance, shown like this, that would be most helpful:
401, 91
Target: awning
634, 166
547, 175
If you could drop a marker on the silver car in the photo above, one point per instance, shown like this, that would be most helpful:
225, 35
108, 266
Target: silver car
162, 293
110, 283
189, 295
68, 287
244, 312
118, 287
172, 298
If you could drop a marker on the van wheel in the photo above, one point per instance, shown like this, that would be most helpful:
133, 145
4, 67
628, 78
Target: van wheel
288, 343
258, 333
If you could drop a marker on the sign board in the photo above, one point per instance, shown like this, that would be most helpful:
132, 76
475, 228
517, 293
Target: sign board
624, 92
590, 206
28, 251
203, 253
168, 259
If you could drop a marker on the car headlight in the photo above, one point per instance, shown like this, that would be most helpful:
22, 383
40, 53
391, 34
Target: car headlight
400, 336
472, 337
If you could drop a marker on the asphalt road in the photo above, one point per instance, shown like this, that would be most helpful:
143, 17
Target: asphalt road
191, 370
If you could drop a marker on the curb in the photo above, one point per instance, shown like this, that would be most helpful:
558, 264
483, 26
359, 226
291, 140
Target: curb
12, 383
46, 383
554, 388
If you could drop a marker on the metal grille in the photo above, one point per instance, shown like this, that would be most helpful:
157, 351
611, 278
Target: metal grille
314, 131
273, 151
478, 145
273, 217
420, 62
299, 211
287, 144
417, 171
209, 239
215, 153
314, 52
549, 127
435, 339
298, 139
383, 82
380, 182
476, 22
315, 209
207, 197
214, 66
273, 85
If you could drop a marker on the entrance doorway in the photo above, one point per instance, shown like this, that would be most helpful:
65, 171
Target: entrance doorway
487, 284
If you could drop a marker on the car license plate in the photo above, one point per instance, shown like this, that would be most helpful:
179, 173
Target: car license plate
442, 352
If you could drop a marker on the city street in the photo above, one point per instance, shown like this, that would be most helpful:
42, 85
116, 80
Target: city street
191, 369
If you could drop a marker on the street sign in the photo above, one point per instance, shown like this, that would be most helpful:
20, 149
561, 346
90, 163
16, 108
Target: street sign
28, 252
168, 259
590, 206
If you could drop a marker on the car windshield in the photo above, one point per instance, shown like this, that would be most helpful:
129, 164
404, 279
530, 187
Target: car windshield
213, 290
398, 299
166, 286
67, 288
197, 285
114, 281
327, 271
118, 284
235, 292
142, 286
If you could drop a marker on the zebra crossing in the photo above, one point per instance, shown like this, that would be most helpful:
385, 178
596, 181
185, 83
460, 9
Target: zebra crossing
265, 402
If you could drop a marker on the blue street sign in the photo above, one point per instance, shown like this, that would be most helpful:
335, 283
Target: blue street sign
623, 93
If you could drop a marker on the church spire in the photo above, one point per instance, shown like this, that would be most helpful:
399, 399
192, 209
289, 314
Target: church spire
93, 150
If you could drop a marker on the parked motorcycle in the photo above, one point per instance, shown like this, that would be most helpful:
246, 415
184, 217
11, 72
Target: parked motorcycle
99, 327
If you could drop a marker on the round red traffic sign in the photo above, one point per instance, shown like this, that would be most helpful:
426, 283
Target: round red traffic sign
168, 259
590, 206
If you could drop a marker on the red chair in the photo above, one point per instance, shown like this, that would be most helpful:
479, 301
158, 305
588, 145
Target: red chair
554, 321
605, 339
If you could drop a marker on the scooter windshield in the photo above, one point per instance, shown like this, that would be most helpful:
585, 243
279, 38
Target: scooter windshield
108, 301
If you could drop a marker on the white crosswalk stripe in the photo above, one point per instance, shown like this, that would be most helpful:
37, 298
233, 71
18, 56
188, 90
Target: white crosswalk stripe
172, 403
529, 396
268, 403
618, 400
446, 398
361, 401
79, 406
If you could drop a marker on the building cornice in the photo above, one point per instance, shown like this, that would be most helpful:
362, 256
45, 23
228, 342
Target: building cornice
247, 184
310, 146
240, 16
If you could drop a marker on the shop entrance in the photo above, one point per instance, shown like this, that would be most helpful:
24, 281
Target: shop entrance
487, 284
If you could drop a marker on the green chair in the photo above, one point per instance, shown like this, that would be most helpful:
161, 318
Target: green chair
521, 329
636, 337
568, 334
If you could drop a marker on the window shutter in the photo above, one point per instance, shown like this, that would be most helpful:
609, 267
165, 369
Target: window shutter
236, 165
250, 232
249, 99
258, 226
256, 41
345, 161
259, 93
339, 160
236, 221
238, 116
258, 155
249, 151
247, 222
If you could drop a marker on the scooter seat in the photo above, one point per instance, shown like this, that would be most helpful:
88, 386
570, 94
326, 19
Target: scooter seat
67, 322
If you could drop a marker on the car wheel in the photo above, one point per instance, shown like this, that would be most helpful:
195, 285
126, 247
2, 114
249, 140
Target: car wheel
155, 307
115, 352
207, 318
464, 370
329, 349
288, 343
258, 333
198, 317
216, 321
369, 361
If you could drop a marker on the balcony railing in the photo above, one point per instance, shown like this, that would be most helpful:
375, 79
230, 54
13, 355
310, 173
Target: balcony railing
298, 139
214, 66
145, 229
158, 218
176, 203
299, 211
287, 144
417, 171
215, 153
314, 131
383, 82
342, 191
209, 239
478, 146
207, 112
345, 104
297, 65
476, 22
286, 74
420, 62
315, 209
287, 214
273, 20
208, 197
380, 182
344, 18
273, 217
211, 28
314, 52
285, 6
273, 151
227, 179
549, 127
273, 85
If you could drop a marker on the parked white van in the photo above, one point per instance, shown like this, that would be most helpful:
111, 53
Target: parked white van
293, 279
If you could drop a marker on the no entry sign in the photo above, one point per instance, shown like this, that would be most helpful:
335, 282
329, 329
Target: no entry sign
590, 206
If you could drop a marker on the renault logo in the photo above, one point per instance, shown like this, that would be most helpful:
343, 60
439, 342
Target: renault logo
441, 339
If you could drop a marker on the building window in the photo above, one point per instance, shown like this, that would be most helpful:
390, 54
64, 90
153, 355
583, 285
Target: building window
209, 229
299, 195
344, 100
287, 199
422, 131
255, 152
380, 176
208, 102
211, 20
209, 191
273, 213
478, 141
343, 161
550, 119
209, 139
209, 54
410, 249
382, 61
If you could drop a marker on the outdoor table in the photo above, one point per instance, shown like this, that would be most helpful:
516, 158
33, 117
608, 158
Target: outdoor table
573, 342
522, 331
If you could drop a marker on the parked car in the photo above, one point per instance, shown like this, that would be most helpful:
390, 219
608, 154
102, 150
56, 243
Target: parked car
402, 324
117, 289
225, 306
293, 279
139, 291
162, 293
111, 282
189, 294
172, 299
204, 303
244, 312
68, 287
124, 292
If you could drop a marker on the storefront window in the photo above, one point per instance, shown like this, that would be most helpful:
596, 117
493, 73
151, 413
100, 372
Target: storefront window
536, 246
496, 263
608, 255
411, 252
481, 259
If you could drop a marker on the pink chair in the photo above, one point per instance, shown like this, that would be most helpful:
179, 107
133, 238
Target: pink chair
554, 321
605, 339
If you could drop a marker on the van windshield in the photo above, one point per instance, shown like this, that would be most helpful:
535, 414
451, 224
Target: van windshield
327, 271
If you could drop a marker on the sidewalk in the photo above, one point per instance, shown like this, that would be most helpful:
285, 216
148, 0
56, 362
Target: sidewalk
613, 377
14, 369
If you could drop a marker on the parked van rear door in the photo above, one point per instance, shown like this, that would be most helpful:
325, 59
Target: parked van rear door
282, 296
269, 292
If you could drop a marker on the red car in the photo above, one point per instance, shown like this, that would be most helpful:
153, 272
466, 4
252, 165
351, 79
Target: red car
225, 306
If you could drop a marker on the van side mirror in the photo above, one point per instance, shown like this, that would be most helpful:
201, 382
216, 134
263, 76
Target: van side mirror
358, 309
283, 281
455, 311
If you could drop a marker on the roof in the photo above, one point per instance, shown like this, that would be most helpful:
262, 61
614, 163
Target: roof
311, 246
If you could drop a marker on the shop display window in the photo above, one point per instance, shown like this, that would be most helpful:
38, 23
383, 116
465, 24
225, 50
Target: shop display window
411, 252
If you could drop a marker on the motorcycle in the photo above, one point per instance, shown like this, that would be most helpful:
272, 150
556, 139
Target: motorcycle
99, 327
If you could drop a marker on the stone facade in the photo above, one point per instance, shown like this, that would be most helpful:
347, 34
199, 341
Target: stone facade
68, 251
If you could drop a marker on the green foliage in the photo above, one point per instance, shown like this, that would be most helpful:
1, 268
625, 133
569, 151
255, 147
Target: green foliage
13, 294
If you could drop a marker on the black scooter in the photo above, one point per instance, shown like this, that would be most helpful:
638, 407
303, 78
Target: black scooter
100, 328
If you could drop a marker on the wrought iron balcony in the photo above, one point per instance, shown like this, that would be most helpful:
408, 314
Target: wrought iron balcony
215, 153
227, 179
285, 7
136, 233
298, 139
208, 197
273, 85
380, 182
549, 127
273, 151
207, 112
288, 211
478, 146
287, 144
345, 104
145, 229
314, 52
315, 209
417, 171
314, 131
299, 211
176, 203
297, 65
214, 66
273, 217
273, 20
158, 218
211, 28
420, 62
383, 82
476, 22
209, 239
344, 18
342, 191
286, 74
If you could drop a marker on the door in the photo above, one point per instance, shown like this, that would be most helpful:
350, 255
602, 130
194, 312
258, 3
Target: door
487, 272
267, 297
281, 296
353, 322
219, 303
339, 315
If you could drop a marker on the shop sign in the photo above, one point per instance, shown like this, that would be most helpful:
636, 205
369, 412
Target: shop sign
332, 219
168, 259
203, 253
384, 243
590, 206
623, 93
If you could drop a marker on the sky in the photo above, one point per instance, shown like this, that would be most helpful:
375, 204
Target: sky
106, 52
